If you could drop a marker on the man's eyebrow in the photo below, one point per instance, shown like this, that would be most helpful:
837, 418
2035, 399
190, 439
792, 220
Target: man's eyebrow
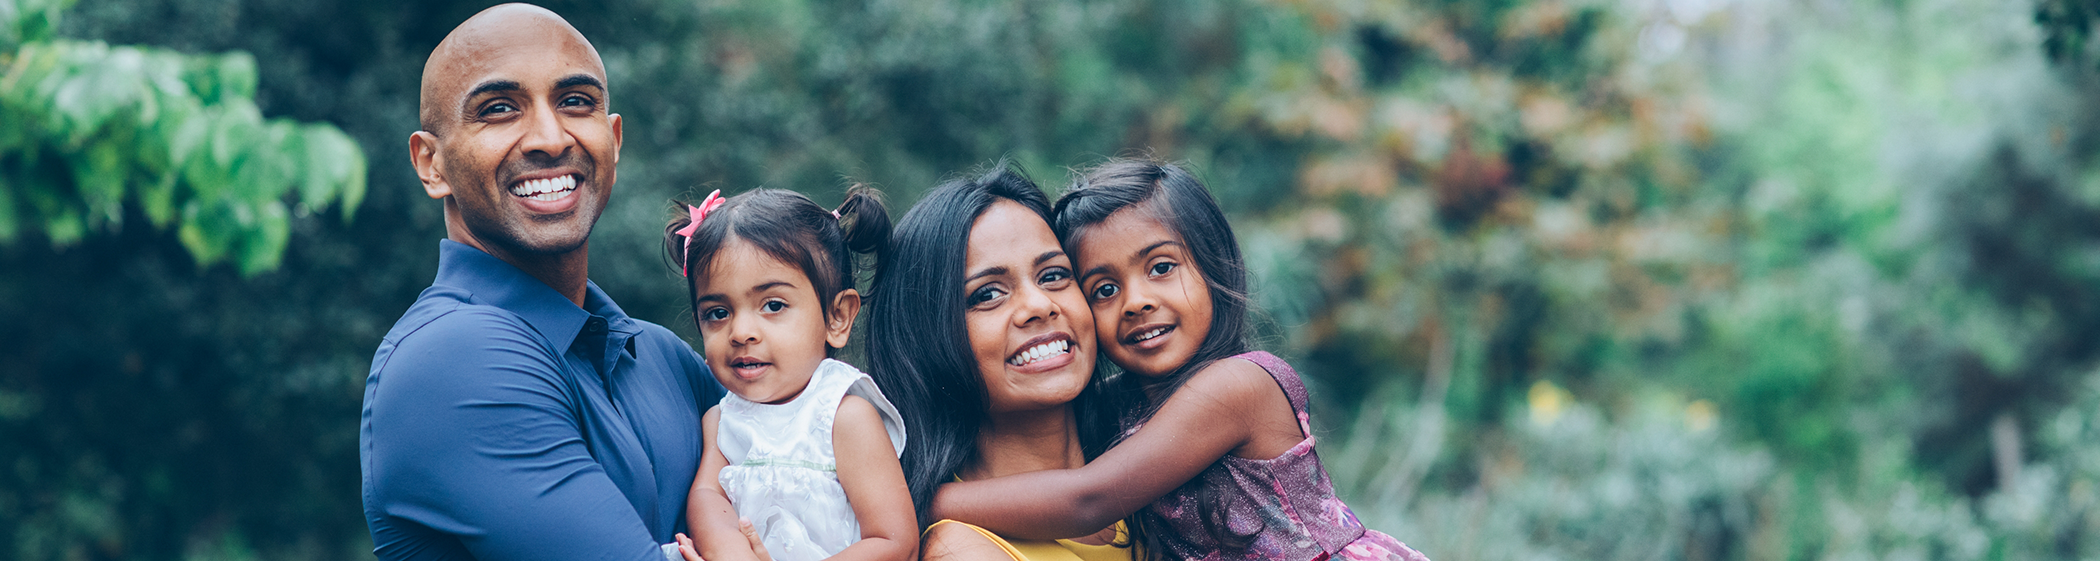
574, 80
493, 86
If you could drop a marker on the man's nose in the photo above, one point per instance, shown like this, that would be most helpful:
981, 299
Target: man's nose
544, 135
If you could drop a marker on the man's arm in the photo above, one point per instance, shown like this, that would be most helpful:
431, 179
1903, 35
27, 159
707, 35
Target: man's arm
473, 435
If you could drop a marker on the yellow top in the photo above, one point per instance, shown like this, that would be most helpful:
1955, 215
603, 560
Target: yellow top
1057, 550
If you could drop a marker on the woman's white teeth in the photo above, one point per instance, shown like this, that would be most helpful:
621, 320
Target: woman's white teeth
1150, 334
552, 188
1039, 352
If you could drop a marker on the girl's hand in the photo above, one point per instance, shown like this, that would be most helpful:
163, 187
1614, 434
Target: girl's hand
750, 533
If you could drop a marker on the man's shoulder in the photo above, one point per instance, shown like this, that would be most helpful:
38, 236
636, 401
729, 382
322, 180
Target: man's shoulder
447, 326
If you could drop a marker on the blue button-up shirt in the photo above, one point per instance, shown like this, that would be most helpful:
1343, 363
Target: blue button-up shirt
501, 421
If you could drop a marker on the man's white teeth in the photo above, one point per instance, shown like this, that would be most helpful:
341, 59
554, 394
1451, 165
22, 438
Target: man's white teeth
1039, 352
1148, 335
548, 189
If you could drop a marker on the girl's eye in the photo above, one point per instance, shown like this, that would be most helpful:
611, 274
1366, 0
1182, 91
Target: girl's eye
1054, 278
1162, 267
715, 314
1106, 291
773, 306
985, 296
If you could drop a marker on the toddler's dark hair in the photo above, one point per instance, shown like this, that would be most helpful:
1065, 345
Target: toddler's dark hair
1168, 193
786, 225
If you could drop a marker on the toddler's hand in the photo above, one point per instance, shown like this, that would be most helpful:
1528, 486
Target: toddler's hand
751, 534
687, 549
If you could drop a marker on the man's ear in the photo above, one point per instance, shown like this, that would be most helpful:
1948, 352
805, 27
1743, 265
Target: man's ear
429, 163
619, 131
839, 325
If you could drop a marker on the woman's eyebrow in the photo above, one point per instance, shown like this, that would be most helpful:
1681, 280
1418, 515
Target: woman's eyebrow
1048, 255
990, 271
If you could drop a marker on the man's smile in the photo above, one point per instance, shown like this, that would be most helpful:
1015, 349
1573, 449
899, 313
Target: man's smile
548, 189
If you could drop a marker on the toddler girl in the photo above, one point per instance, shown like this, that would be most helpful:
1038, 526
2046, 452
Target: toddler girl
1219, 442
804, 448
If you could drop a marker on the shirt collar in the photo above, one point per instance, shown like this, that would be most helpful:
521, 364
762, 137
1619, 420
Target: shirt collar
497, 283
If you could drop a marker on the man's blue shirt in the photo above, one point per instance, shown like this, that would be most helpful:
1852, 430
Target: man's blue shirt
501, 421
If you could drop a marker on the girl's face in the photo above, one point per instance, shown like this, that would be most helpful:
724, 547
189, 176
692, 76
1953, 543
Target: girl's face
1151, 306
761, 324
1028, 323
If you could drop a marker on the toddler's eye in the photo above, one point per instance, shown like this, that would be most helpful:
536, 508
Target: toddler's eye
1162, 267
714, 314
1106, 291
773, 306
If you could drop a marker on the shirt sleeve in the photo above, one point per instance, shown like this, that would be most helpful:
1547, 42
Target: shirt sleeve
473, 435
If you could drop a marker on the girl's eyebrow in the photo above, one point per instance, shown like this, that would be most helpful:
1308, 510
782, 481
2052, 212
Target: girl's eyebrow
1140, 255
769, 285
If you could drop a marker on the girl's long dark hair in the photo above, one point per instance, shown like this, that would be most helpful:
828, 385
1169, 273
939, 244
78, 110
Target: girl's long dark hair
790, 227
1170, 194
919, 344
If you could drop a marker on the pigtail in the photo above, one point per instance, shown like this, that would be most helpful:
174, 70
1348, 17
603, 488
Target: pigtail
864, 221
674, 243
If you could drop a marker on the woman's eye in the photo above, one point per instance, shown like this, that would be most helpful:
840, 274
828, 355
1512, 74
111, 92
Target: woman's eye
715, 314
1054, 275
1106, 291
1162, 267
985, 295
773, 306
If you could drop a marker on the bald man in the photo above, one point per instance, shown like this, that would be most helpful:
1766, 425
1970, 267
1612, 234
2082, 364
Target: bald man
514, 412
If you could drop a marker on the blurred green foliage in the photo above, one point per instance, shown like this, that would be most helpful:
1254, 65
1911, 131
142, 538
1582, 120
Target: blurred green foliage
1675, 279
86, 128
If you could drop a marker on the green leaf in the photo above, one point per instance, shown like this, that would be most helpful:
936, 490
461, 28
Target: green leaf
263, 248
237, 77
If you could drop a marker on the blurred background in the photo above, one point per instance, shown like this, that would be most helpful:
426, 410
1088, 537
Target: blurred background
1572, 279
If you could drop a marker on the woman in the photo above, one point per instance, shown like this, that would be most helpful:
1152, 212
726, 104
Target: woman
980, 335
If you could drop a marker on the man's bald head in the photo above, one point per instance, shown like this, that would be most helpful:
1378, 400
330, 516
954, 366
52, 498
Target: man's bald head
471, 49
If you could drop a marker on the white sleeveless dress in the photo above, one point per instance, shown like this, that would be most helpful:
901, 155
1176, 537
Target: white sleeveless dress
782, 475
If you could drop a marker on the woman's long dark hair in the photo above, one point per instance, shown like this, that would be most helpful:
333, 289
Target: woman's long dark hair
919, 343
1170, 194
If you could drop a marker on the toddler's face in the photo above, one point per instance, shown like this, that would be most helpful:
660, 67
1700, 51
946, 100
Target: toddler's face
761, 324
1151, 306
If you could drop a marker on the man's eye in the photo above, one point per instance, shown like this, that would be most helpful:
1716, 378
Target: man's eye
497, 108
773, 306
1106, 291
576, 101
1162, 267
715, 314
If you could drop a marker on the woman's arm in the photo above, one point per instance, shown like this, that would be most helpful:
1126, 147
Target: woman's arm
874, 483
708, 513
1213, 414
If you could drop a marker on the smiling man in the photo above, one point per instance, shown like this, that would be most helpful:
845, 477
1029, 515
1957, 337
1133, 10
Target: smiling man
514, 412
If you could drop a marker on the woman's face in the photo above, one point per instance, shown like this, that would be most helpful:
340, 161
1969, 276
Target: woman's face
1029, 325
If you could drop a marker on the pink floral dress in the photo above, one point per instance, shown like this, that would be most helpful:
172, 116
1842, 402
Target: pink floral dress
1284, 505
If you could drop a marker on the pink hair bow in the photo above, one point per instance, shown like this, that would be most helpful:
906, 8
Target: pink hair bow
698, 213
